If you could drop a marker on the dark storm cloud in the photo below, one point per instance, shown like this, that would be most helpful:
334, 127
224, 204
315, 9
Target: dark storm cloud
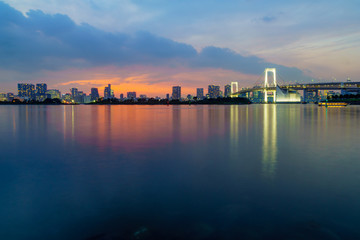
41, 41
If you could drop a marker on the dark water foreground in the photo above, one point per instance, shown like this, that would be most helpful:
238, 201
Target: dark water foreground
180, 172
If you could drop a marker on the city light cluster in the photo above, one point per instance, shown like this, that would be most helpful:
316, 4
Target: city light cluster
28, 92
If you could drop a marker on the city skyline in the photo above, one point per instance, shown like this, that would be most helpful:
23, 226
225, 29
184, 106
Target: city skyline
70, 49
40, 92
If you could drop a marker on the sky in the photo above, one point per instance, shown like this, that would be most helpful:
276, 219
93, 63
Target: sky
150, 46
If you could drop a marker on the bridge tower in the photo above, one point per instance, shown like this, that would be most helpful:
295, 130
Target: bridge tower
234, 87
267, 85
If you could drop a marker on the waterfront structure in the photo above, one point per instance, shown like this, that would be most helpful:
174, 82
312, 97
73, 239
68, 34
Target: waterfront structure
167, 96
214, 91
107, 92
290, 93
87, 98
176, 93
121, 96
67, 97
143, 96
74, 93
200, 93
131, 95
53, 93
270, 93
41, 89
94, 94
26, 91
3, 97
227, 90
234, 87
10, 96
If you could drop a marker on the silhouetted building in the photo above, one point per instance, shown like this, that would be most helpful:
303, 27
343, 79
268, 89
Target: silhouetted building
131, 95
199, 93
81, 97
94, 94
121, 96
107, 92
74, 93
167, 96
214, 91
26, 91
227, 90
176, 93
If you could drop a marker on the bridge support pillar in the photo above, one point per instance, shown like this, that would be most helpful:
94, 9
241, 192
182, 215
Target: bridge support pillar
267, 93
305, 95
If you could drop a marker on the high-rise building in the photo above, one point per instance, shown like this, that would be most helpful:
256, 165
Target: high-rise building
227, 90
94, 94
214, 91
41, 89
54, 93
74, 93
167, 96
199, 93
176, 92
121, 96
131, 95
26, 91
107, 92
81, 97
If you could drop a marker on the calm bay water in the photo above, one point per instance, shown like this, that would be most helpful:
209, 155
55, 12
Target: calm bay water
179, 172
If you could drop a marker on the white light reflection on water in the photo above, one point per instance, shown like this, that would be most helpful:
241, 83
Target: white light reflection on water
269, 148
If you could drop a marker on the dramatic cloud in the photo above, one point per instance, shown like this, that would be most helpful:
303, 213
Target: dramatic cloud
40, 41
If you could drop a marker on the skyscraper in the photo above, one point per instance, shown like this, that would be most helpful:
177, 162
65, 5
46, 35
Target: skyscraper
107, 92
75, 94
41, 89
199, 93
94, 94
176, 93
214, 91
227, 90
26, 91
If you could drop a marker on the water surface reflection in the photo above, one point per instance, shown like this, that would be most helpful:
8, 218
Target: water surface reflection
180, 172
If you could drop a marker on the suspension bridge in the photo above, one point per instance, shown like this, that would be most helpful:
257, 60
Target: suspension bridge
272, 91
